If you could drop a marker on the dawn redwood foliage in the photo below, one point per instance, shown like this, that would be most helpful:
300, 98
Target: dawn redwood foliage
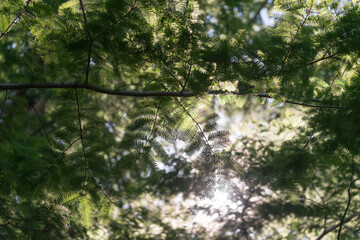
94, 93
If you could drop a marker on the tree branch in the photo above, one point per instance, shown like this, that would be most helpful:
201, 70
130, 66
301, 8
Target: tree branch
332, 228
85, 20
332, 211
322, 58
16, 18
72, 85
347, 206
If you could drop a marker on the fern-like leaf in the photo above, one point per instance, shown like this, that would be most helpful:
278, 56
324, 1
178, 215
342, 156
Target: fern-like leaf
86, 212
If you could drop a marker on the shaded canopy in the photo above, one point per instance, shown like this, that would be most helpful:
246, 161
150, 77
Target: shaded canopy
113, 109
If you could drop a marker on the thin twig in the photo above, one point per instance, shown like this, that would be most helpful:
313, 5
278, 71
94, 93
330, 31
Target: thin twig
42, 125
173, 76
63, 152
349, 200
71, 85
263, 4
16, 18
187, 78
315, 106
3, 106
314, 128
245, 203
25, 38
333, 44
115, 23
40, 128
148, 84
333, 81
70, 145
336, 76
265, 95
197, 124
102, 189
332, 211
247, 88
323, 206
85, 20
90, 45
82, 139
322, 58
348, 204
24, 228
294, 37
88, 63
155, 120
325, 220
332, 228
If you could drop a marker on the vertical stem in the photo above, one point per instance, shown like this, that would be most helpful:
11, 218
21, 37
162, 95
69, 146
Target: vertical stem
81, 139
3, 106
42, 125
90, 40
88, 63
349, 200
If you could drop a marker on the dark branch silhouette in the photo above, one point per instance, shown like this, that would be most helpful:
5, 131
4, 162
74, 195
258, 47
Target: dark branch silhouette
322, 58
81, 139
85, 20
16, 18
332, 228
347, 206
263, 4
129, 93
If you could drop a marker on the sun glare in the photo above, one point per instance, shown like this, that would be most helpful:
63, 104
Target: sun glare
220, 198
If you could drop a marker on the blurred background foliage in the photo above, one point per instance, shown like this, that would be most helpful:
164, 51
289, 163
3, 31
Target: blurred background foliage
252, 165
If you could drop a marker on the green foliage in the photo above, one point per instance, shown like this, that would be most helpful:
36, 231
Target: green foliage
106, 107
